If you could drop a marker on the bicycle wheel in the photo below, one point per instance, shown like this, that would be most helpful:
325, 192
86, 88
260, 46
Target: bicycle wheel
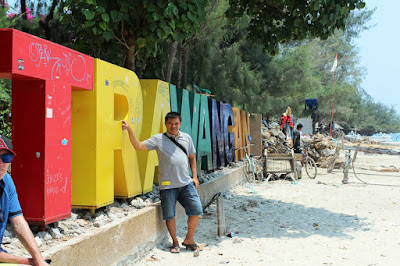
311, 167
248, 173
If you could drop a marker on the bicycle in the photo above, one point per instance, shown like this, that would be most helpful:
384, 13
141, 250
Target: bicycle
309, 163
252, 168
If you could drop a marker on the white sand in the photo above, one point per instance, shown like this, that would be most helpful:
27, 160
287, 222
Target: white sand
315, 222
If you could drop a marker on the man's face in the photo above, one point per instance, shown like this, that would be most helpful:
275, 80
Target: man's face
3, 166
173, 125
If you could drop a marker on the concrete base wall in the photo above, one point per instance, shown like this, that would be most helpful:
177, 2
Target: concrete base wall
131, 237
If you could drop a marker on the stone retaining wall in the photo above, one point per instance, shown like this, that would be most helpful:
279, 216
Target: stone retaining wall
132, 236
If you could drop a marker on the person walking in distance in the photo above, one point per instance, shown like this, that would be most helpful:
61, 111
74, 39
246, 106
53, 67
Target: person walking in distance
176, 156
296, 139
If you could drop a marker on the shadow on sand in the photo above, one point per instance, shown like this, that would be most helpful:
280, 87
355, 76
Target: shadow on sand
253, 216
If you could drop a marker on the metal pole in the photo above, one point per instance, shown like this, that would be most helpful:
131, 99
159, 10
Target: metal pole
333, 101
346, 168
333, 104
221, 216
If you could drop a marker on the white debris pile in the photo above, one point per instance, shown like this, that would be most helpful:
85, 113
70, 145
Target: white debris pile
274, 137
321, 149
204, 176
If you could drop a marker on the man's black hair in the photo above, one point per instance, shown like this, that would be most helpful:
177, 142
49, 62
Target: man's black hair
299, 126
173, 115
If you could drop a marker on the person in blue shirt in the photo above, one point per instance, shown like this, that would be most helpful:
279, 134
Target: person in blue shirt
11, 210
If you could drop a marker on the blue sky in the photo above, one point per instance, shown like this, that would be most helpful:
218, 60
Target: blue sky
380, 53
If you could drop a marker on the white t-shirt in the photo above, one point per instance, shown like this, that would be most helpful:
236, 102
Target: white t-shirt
174, 168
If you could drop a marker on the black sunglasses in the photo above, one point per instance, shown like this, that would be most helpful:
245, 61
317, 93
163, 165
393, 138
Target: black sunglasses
7, 158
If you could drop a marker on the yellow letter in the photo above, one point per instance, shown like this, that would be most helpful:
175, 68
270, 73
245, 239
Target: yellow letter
104, 163
157, 105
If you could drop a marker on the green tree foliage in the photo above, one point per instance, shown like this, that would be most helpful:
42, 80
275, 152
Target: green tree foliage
216, 63
224, 43
237, 71
5, 85
43, 20
273, 22
5, 21
5, 107
132, 27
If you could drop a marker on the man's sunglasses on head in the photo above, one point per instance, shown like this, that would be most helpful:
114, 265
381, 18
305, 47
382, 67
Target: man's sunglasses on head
7, 158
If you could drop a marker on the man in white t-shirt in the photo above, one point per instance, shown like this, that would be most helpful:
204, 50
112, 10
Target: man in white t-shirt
176, 156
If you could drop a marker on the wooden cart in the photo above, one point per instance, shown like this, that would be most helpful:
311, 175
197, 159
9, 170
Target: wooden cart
282, 163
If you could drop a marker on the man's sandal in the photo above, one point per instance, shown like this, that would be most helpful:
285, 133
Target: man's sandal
192, 246
175, 249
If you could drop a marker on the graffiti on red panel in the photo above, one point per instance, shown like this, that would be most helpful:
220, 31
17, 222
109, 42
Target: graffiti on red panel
54, 181
68, 64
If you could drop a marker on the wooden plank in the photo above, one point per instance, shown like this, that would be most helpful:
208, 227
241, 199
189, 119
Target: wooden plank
221, 216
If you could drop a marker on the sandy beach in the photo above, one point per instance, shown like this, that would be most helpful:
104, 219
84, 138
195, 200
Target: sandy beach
314, 222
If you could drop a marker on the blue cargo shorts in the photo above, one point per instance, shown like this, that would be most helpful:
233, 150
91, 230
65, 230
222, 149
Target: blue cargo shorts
187, 196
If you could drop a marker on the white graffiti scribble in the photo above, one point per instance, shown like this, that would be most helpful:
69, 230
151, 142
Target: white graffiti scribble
41, 55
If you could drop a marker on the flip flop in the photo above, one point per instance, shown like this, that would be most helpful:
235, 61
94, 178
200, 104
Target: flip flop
192, 246
175, 249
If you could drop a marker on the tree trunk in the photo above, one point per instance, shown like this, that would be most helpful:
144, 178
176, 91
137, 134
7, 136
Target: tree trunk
315, 119
130, 57
185, 52
178, 83
171, 57
45, 23
23, 9
140, 72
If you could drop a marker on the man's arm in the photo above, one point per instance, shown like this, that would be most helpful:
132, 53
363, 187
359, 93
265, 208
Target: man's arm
139, 146
25, 235
193, 166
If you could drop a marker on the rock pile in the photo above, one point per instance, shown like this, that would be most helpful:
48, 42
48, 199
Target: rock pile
204, 176
274, 137
320, 148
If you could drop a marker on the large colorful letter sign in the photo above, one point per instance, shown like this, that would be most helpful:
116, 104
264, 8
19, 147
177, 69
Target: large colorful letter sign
42, 74
238, 130
244, 120
227, 120
217, 135
195, 109
104, 163
156, 97
180, 102
204, 156
195, 121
